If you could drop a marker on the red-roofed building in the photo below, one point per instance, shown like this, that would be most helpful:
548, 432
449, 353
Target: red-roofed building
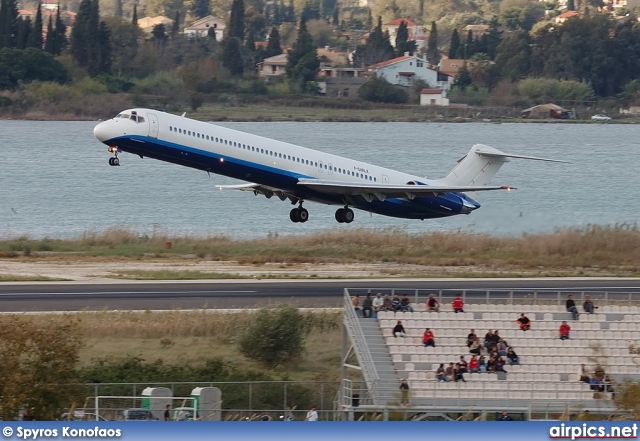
406, 70
560, 19
433, 97
416, 31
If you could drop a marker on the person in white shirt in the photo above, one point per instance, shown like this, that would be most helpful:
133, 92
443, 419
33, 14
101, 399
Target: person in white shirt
377, 302
312, 415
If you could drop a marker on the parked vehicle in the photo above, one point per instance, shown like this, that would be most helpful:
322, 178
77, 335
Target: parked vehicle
183, 414
137, 414
79, 415
601, 117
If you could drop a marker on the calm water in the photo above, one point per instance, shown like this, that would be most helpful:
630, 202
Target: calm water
55, 180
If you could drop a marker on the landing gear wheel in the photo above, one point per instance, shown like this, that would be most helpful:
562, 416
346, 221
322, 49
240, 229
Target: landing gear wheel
348, 215
344, 215
111, 161
293, 215
114, 161
303, 215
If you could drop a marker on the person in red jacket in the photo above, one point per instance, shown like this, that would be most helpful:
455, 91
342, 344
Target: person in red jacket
457, 304
564, 331
525, 323
473, 364
428, 338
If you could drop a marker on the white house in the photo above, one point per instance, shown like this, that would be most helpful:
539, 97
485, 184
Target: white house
433, 97
200, 28
406, 70
273, 66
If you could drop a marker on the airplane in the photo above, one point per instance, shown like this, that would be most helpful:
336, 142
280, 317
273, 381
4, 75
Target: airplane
300, 174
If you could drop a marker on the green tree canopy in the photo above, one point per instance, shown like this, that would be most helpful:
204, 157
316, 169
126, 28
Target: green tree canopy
376, 49
29, 65
302, 60
276, 337
380, 90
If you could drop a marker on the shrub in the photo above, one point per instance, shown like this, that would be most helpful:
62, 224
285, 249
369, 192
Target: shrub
275, 337
381, 91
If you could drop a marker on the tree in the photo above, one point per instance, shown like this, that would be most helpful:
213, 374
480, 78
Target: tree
91, 39
275, 337
455, 44
376, 49
60, 42
35, 37
433, 53
8, 23
463, 79
201, 8
134, 16
302, 60
380, 90
25, 28
402, 36
51, 37
514, 56
236, 21
493, 38
175, 27
232, 56
119, 12
38, 369
273, 45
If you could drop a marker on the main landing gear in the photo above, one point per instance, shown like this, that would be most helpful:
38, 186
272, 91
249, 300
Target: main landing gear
344, 215
114, 161
299, 214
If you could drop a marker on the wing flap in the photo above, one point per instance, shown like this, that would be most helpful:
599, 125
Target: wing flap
384, 191
257, 189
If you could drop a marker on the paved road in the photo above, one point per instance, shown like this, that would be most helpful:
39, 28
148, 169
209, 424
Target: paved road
60, 296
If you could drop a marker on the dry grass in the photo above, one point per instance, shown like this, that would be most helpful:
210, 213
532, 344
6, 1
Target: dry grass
610, 250
183, 337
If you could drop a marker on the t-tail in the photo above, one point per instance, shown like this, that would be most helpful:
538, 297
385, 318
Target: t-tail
481, 164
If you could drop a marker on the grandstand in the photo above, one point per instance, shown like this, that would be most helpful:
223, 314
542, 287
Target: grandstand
547, 376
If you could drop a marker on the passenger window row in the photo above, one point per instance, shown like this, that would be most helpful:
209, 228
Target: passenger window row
272, 153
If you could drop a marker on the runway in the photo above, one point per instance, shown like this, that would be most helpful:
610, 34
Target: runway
78, 296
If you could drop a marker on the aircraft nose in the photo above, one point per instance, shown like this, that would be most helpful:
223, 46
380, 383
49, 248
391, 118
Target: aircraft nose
101, 131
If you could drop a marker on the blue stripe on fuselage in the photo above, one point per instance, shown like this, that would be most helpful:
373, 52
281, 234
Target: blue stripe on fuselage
418, 208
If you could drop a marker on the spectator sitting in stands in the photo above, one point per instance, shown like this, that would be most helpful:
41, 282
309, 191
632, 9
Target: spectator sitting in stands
583, 375
405, 304
505, 416
495, 338
398, 330
482, 364
475, 347
525, 323
441, 374
367, 306
571, 307
404, 392
355, 301
457, 373
474, 366
488, 340
377, 303
387, 303
499, 365
564, 331
396, 303
608, 386
428, 339
471, 337
502, 348
493, 352
512, 357
491, 364
457, 304
433, 304
588, 305
450, 373
595, 384
463, 364
599, 372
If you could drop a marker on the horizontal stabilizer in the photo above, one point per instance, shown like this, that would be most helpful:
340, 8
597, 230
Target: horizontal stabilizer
497, 154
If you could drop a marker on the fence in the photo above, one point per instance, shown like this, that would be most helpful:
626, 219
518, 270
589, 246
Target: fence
240, 400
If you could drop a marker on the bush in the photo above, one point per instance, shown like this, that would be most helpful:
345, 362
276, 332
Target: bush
380, 90
276, 337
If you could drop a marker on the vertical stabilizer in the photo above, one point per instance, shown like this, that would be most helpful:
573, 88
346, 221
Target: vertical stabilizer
477, 167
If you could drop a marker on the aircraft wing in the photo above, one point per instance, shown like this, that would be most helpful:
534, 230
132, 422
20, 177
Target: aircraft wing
257, 189
384, 191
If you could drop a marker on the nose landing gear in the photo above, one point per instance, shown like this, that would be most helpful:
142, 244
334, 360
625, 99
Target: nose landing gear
114, 161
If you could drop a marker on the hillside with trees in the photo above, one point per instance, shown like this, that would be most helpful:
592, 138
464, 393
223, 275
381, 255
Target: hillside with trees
52, 64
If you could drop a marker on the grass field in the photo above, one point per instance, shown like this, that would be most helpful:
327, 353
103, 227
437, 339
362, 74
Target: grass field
186, 337
594, 250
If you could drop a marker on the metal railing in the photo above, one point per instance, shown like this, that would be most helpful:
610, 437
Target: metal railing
361, 349
507, 297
